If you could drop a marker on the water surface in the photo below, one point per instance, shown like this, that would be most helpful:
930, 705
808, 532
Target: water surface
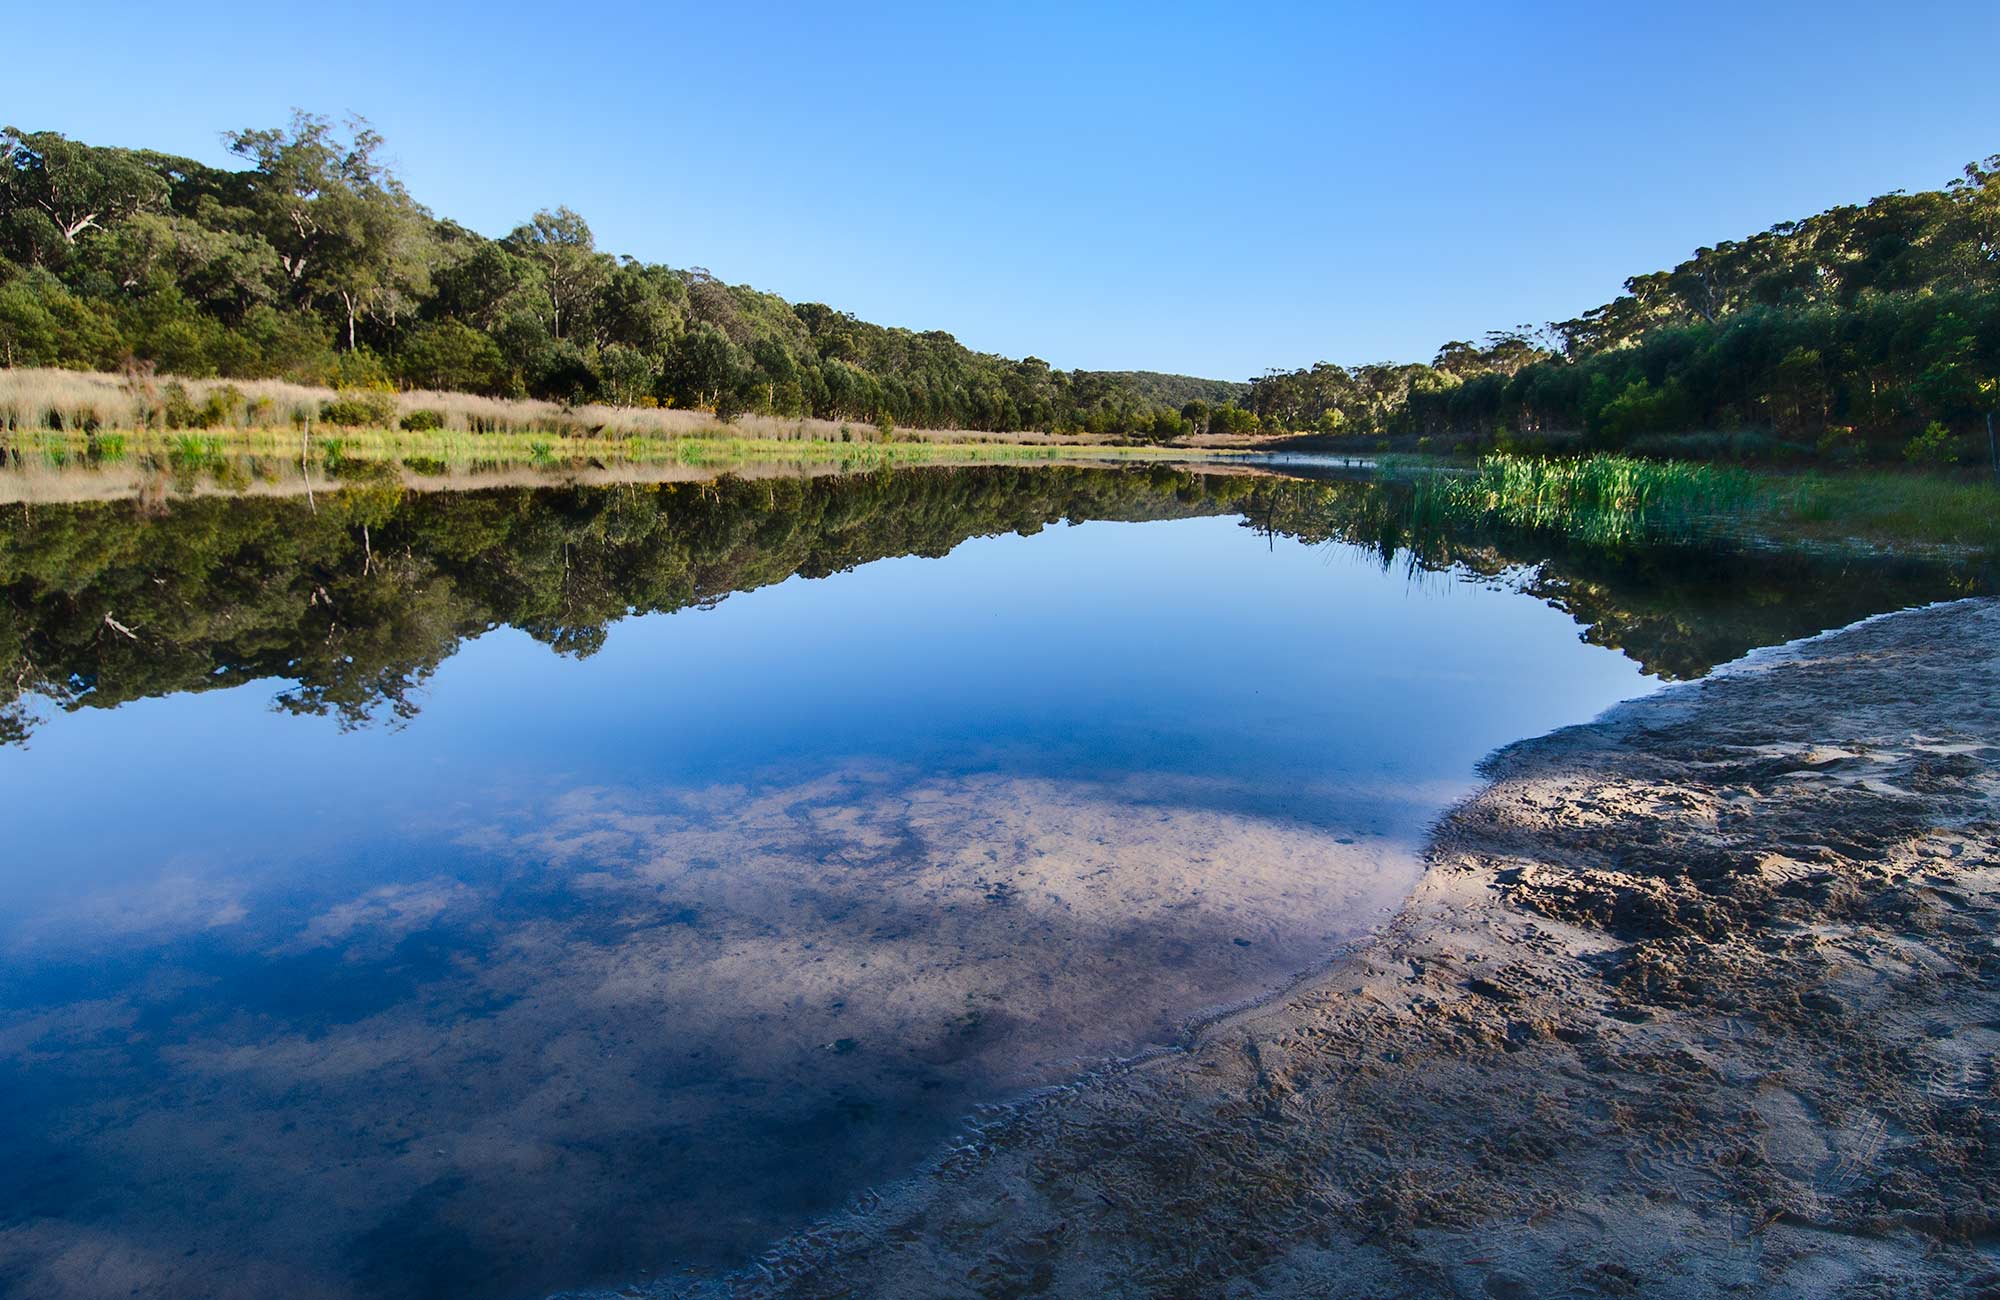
483, 893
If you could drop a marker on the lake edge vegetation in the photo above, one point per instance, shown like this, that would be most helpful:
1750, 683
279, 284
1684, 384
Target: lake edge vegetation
1609, 499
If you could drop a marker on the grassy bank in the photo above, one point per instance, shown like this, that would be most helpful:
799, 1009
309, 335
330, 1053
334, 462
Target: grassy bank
1613, 499
43, 400
1888, 507
247, 453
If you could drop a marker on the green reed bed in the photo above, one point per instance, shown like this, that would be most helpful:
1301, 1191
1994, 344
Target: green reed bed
1603, 499
1613, 500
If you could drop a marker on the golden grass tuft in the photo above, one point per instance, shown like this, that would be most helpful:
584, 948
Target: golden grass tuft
72, 401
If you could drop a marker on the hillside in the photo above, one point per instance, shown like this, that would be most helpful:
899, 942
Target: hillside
314, 264
1866, 332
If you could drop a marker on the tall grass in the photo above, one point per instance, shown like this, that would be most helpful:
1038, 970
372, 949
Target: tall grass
1892, 505
71, 401
1617, 499
1606, 499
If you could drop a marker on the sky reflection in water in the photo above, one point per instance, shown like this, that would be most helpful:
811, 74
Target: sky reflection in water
633, 962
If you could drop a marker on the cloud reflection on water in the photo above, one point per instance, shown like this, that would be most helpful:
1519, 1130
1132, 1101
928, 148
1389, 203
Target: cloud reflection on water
675, 1019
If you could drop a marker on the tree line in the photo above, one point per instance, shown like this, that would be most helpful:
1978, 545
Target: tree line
312, 262
1866, 331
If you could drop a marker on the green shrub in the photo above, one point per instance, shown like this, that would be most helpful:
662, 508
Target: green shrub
1840, 444
423, 421
177, 409
220, 406
1934, 446
359, 410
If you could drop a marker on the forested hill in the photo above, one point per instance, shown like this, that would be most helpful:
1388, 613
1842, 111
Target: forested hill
1175, 391
1866, 331
312, 262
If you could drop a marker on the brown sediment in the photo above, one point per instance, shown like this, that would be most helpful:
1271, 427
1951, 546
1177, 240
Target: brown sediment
1701, 997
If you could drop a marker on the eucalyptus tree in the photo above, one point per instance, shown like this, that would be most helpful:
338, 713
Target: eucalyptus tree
559, 243
54, 189
341, 223
478, 280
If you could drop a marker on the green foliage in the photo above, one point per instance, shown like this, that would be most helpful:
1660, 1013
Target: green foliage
315, 265
1232, 419
422, 421
360, 410
450, 355
1934, 446
1606, 499
1856, 328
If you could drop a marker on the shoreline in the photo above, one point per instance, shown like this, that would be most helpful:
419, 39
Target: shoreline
129, 480
1699, 996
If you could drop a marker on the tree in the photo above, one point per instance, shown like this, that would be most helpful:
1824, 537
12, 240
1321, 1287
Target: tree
627, 375
639, 309
51, 185
704, 365
28, 332
342, 224
560, 244
450, 355
478, 281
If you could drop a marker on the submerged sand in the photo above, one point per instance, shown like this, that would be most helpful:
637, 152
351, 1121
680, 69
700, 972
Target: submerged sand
1702, 997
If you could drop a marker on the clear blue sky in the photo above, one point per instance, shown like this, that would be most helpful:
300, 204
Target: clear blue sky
1212, 189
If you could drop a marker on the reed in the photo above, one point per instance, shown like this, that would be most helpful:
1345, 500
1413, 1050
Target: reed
1607, 499
72, 401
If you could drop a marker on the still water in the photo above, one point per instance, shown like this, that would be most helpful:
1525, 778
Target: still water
482, 894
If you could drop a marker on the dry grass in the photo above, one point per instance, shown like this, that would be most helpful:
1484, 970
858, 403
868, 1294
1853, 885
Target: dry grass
45, 467
73, 401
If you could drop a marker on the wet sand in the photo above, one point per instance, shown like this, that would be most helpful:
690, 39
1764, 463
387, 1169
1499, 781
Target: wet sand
1702, 997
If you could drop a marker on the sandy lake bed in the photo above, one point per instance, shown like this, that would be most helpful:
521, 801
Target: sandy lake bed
1702, 997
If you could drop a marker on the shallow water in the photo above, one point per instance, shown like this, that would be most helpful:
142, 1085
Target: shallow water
459, 897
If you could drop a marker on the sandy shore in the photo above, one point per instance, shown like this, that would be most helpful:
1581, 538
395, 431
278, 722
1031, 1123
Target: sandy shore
1700, 998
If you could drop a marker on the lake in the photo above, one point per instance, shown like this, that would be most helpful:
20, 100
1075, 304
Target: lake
447, 893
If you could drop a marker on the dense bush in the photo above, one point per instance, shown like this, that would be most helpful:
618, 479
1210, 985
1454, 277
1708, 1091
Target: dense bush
360, 411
